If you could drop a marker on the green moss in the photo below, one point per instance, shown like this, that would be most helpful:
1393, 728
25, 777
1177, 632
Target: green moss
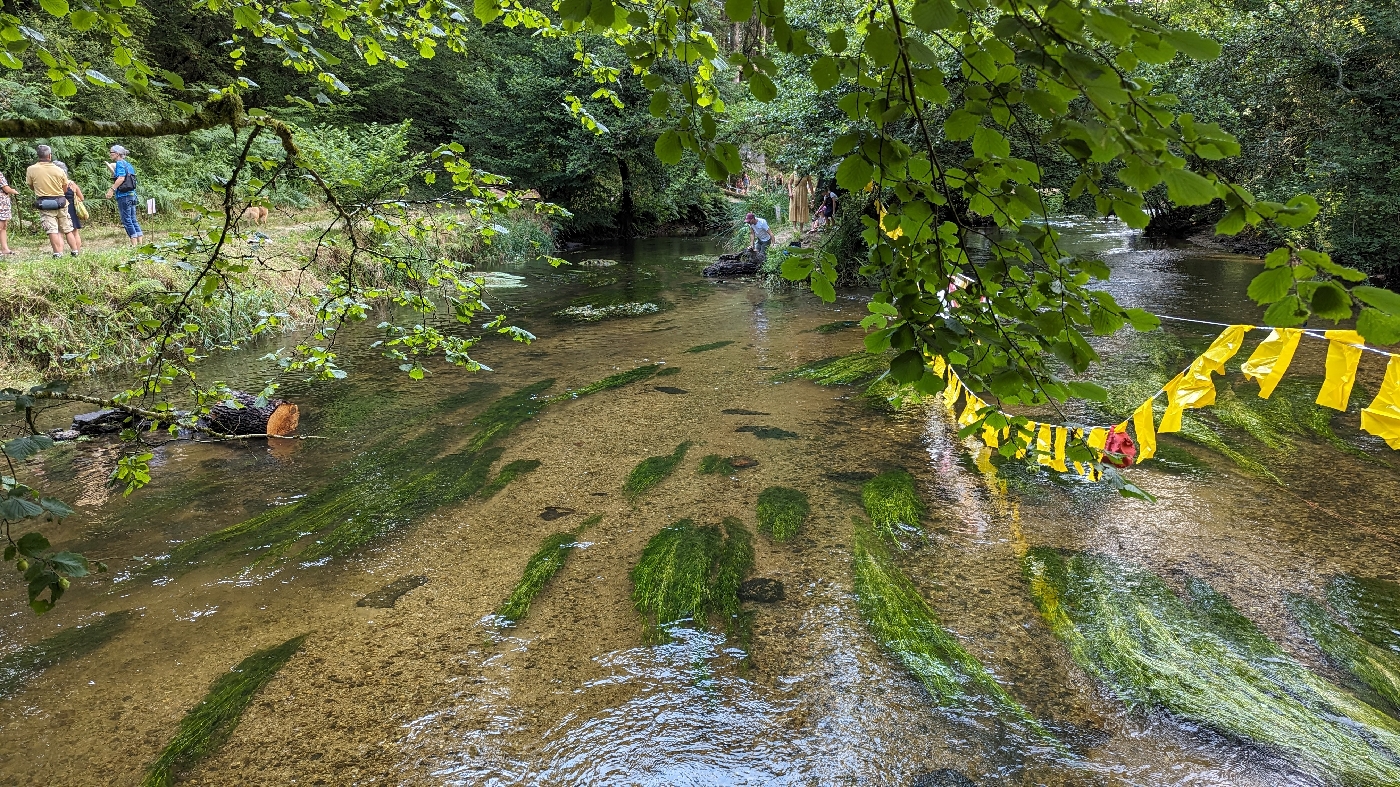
668, 371
541, 568
1370, 606
19, 667
908, 628
1201, 659
836, 327
652, 471
692, 572
204, 729
781, 511
507, 474
1375, 667
707, 347
892, 502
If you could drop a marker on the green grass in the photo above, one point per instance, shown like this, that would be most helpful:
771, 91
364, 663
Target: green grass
204, 729
908, 628
1376, 667
892, 502
393, 483
652, 471
21, 666
781, 512
1370, 606
1199, 658
692, 572
507, 474
700, 348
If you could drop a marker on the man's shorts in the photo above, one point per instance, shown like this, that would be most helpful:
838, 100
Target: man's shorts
56, 221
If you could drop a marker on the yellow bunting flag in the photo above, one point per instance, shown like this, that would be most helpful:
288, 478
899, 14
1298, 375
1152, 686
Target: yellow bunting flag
940, 366
969, 413
1225, 346
1058, 462
1382, 418
1343, 355
1171, 419
1024, 436
989, 436
1271, 359
1146, 436
1044, 432
1098, 438
950, 394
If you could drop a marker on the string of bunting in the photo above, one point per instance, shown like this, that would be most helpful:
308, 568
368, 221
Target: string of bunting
1192, 389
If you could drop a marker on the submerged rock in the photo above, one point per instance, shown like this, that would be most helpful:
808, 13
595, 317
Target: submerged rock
737, 411
667, 389
737, 462
943, 777
768, 432
555, 512
389, 595
761, 589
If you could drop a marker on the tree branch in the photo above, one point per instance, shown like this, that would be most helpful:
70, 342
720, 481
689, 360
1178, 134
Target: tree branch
226, 110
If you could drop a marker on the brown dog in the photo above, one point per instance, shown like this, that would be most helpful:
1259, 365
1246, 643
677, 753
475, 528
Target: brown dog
258, 214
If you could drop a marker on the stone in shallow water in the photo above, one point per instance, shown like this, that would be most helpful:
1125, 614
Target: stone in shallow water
737, 411
737, 462
671, 390
943, 777
555, 512
768, 432
389, 595
762, 590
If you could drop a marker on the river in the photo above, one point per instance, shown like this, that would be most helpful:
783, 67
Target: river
431, 692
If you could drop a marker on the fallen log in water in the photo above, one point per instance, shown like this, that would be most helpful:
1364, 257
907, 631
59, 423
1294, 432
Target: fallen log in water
275, 417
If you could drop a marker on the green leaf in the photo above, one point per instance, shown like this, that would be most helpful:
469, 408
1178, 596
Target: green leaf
762, 87
908, 366
880, 46
69, 563
837, 39
570, 10
58, 508
854, 173
668, 147
1185, 187
825, 73
55, 7
738, 10
1286, 313
32, 544
660, 104
1090, 391
1330, 302
602, 12
1193, 45
83, 19
822, 287
961, 124
1385, 300
64, 88
1378, 327
1143, 320
1271, 285
932, 15
796, 267
1299, 211
989, 143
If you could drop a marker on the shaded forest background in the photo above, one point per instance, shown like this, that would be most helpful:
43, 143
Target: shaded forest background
1311, 89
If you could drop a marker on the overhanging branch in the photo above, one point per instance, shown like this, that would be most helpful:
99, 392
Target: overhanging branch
225, 111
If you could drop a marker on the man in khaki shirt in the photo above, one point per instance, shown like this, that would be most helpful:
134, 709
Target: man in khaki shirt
49, 182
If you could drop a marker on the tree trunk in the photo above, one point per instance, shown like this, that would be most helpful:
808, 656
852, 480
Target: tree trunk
277, 417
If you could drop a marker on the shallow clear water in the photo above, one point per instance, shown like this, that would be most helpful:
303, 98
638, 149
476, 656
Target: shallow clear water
427, 693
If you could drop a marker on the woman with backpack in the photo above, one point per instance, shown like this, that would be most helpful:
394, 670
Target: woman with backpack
124, 189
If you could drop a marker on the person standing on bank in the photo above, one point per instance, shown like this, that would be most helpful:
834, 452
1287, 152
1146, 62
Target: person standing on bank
49, 183
124, 189
6, 206
759, 234
74, 194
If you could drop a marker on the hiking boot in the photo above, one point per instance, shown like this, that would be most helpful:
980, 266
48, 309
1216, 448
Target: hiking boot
73, 253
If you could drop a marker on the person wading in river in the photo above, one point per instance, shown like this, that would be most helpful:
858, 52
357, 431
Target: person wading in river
49, 183
759, 234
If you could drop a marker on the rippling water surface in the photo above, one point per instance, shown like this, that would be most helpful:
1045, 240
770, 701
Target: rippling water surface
429, 693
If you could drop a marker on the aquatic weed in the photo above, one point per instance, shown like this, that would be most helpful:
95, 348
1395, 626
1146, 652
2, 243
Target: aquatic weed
734, 563
1370, 606
860, 368
835, 327
671, 582
507, 474
611, 381
1375, 667
781, 511
668, 371
21, 666
892, 502
1202, 660
906, 626
205, 728
713, 464
768, 432
652, 471
700, 348
541, 568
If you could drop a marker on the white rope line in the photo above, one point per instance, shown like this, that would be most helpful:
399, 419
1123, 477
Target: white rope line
1305, 331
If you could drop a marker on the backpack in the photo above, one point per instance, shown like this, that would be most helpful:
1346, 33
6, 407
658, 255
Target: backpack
128, 185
